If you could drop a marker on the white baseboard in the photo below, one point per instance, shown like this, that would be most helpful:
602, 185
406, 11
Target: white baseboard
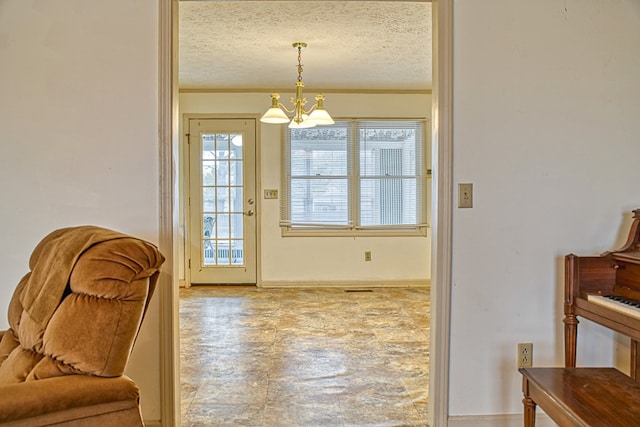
511, 420
346, 284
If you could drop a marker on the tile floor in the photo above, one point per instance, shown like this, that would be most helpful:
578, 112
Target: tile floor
304, 357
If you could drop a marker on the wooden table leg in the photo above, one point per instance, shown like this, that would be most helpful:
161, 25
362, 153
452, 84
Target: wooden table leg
529, 406
529, 412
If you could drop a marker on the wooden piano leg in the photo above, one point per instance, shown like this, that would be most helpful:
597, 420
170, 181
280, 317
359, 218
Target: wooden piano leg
633, 372
570, 338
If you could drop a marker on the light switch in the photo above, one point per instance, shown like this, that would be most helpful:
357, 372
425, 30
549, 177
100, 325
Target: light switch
270, 194
465, 195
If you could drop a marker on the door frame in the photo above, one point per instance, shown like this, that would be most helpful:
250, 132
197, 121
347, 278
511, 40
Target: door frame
442, 143
183, 186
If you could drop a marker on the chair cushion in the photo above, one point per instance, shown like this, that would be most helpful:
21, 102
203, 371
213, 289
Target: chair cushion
77, 398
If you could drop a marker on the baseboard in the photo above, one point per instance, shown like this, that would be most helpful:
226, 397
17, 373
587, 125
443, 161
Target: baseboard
350, 284
511, 420
152, 423
182, 283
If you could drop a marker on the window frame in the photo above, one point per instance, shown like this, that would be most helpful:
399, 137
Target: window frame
354, 178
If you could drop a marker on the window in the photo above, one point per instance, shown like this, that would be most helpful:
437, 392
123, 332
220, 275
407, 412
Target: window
355, 177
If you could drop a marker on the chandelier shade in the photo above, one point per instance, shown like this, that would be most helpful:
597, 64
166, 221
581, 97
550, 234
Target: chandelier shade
316, 115
304, 123
319, 115
274, 114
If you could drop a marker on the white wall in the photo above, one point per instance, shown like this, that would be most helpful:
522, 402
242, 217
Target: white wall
546, 107
323, 259
78, 129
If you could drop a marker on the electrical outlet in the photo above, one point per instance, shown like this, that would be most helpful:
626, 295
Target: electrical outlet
367, 255
525, 355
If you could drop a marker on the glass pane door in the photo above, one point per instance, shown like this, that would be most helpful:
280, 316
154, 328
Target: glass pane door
222, 203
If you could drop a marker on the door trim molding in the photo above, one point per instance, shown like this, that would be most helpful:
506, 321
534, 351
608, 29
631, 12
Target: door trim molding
441, 245
169, 342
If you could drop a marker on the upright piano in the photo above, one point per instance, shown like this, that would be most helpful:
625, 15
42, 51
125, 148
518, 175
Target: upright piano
605, 289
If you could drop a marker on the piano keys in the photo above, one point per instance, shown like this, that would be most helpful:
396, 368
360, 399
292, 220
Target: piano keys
628, 306
605, 289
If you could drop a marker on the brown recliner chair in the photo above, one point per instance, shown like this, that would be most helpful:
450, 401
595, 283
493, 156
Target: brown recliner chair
73, 322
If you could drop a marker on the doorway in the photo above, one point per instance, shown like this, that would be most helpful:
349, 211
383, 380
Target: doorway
441, 219
222, 201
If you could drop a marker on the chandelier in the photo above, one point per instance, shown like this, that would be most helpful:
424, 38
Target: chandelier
316, 115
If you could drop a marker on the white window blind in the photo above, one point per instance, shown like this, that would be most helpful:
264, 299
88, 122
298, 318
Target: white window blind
355, 175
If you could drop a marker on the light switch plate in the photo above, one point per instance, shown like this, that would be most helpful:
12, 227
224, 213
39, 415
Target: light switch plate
465, 195
270, 194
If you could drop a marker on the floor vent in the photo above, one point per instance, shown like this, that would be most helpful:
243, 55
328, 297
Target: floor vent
358, 290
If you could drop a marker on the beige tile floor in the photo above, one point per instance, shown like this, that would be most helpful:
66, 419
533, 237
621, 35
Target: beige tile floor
304, 357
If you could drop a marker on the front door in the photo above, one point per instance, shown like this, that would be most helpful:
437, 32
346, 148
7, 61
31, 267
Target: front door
222, 226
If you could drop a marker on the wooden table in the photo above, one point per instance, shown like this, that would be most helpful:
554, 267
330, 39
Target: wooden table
595, 397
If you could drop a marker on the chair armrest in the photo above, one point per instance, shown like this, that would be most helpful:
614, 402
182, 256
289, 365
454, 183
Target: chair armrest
40, 397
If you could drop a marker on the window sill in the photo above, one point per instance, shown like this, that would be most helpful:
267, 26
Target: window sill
349, 232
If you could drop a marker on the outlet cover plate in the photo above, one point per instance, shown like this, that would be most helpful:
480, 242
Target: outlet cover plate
525, 355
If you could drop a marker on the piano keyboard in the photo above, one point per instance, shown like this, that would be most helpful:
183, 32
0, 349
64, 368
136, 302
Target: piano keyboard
617, 303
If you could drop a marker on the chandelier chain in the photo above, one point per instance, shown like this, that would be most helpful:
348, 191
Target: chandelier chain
299, 63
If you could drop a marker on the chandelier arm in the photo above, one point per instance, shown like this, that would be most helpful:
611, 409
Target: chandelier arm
293, 110
310, 110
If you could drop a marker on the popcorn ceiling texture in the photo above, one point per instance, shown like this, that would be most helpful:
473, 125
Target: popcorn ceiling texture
352, 45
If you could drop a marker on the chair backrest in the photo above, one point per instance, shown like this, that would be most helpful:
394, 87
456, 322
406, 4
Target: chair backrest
96, 314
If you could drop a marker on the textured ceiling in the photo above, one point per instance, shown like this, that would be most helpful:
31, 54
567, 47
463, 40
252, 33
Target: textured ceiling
352, 45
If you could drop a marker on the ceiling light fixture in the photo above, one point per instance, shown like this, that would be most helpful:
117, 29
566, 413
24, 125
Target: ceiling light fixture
302, 118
